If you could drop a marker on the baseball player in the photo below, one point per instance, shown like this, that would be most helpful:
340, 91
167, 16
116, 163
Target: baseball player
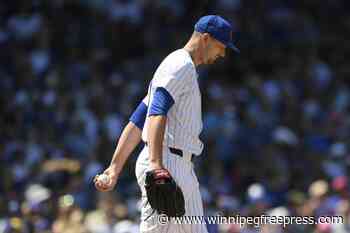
169, 121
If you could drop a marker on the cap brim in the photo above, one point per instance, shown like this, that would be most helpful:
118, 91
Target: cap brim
233, 47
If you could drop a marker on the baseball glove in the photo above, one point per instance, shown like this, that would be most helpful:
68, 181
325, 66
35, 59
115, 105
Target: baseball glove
163, 194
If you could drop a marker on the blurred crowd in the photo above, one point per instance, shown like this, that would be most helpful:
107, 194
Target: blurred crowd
276, 116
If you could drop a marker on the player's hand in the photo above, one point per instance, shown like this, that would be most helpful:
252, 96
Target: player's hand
112, 181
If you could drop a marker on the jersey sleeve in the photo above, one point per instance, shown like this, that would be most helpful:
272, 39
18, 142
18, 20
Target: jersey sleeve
176, 83
138, 117
161, 103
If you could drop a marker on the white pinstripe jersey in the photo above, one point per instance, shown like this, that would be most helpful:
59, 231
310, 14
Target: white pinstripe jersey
177, 74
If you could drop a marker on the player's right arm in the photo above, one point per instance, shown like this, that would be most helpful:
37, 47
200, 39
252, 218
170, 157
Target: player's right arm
129, 139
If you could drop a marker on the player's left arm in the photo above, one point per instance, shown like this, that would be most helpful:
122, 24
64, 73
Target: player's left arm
161, 103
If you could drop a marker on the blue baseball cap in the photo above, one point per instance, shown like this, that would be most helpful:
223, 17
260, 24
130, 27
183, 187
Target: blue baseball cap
218, 28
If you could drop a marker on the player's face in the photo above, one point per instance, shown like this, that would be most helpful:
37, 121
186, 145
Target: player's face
214, 49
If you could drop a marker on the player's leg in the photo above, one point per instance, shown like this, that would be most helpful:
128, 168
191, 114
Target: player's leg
184, 175
194, 207
149, 218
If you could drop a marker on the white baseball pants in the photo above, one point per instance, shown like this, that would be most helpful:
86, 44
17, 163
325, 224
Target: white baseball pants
181, 169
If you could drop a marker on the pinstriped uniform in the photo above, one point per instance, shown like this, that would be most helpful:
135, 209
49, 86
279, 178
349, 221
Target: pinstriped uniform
177, 74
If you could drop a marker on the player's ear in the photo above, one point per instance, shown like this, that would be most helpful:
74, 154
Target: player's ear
205, 38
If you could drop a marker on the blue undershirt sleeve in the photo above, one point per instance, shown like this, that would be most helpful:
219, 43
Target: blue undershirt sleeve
161, 103
139, 115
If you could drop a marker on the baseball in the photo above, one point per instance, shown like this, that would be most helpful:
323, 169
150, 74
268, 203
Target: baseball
103, 178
